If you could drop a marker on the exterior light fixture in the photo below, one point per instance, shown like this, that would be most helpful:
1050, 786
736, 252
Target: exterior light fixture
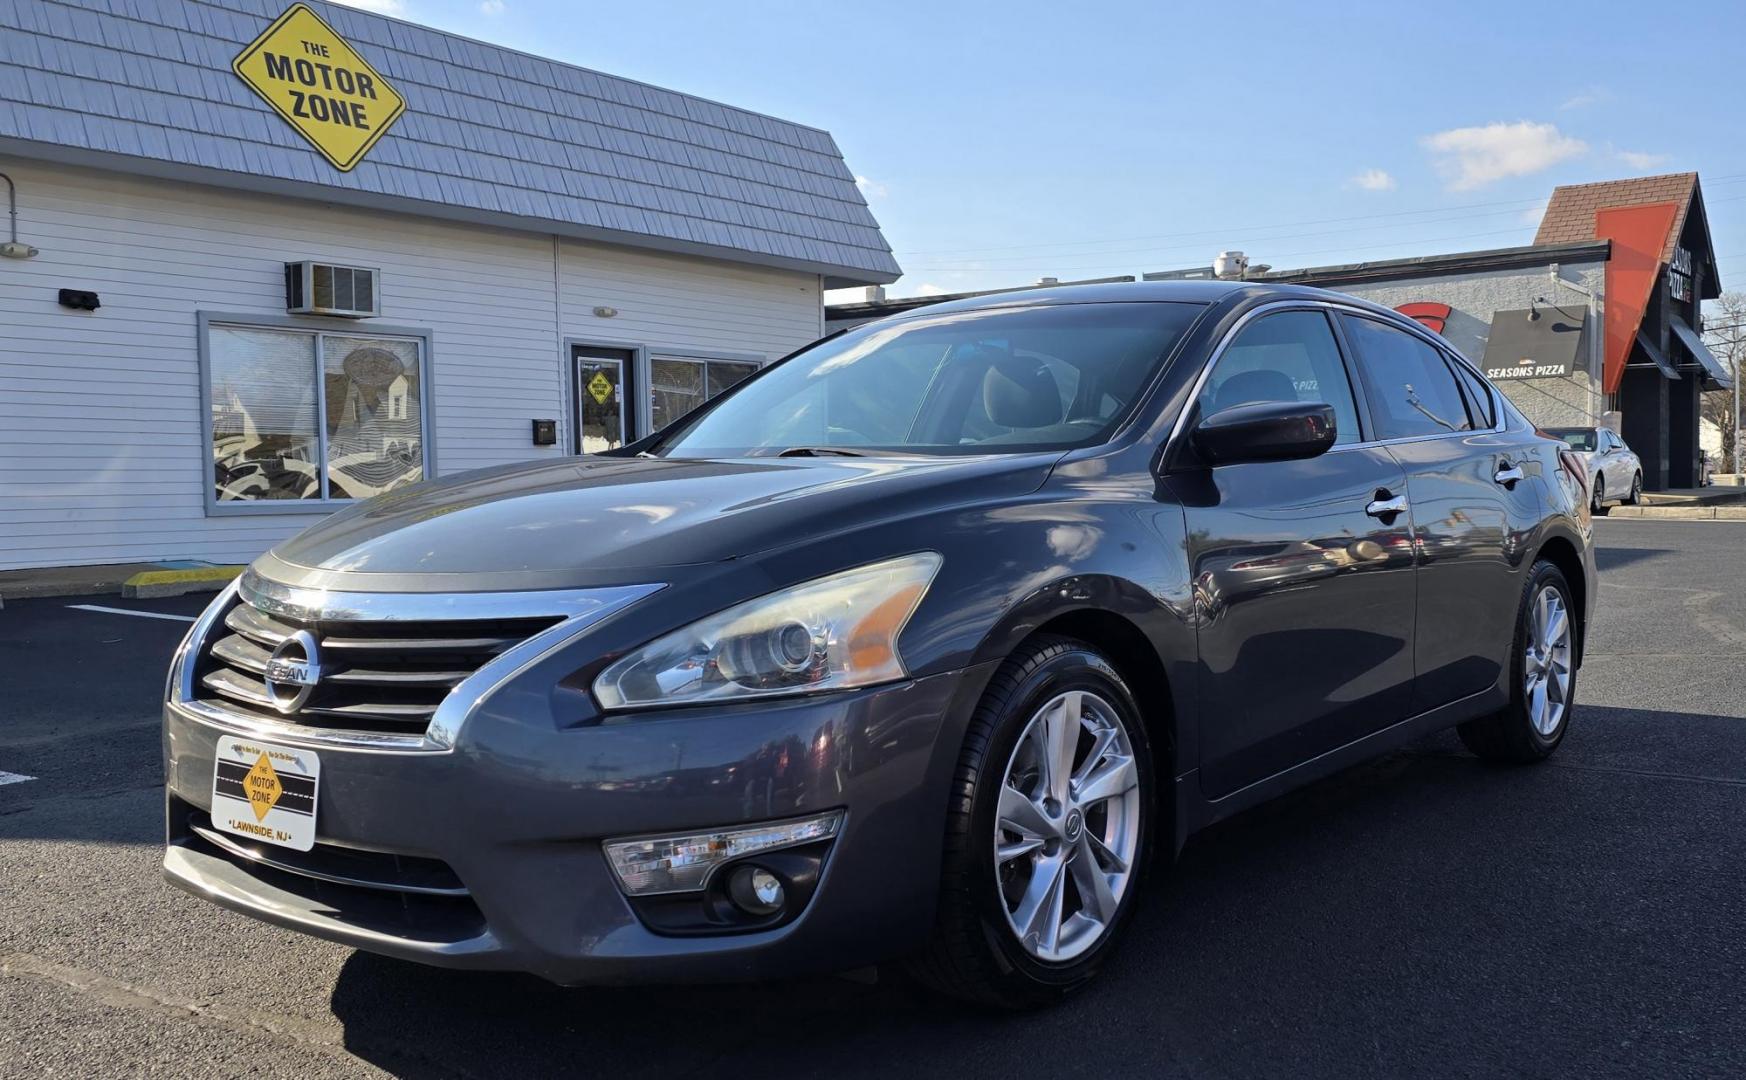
12, 249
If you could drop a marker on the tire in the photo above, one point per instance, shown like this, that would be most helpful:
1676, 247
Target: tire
976, 954
1636, 496
1519, 733
1599, 504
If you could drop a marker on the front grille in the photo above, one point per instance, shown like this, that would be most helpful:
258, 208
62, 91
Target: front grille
376, 676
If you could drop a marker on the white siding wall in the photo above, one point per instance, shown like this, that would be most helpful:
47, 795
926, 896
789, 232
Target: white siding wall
101, 452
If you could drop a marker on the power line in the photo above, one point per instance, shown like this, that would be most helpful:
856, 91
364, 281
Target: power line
1280, 255
990, 264
1518, 204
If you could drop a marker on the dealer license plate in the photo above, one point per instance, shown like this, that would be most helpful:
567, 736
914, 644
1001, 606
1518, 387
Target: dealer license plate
265, 792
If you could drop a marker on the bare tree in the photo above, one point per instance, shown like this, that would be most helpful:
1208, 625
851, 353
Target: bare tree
1725, 334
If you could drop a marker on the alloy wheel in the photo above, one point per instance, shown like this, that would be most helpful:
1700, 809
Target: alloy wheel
1067, 828
1546, 664
1600, 494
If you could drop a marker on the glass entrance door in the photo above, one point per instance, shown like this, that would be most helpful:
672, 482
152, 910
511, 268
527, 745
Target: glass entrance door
603, 420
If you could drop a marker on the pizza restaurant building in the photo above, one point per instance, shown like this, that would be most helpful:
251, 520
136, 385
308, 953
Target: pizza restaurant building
273, 257
1597, 323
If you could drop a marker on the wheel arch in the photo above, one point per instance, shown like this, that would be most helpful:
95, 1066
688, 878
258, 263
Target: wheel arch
1133, 655
1563, 553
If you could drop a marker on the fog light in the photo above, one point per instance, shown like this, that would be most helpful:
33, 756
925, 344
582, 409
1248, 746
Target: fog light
651, 865
755, 890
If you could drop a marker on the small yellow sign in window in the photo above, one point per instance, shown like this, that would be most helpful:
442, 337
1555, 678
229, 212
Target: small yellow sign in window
321, 86
600, 388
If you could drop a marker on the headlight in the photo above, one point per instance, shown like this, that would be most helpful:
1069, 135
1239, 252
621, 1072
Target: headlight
830, 634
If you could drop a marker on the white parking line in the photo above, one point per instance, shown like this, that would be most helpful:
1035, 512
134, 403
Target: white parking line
125, 611
13, 778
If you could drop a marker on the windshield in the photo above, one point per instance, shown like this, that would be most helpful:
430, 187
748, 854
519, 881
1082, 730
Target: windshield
1005, 380
1574, 437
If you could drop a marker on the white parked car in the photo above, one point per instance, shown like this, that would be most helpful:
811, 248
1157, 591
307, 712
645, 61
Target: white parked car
1614, 473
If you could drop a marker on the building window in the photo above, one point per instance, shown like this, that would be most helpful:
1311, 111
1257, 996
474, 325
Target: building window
302, 417
681, 384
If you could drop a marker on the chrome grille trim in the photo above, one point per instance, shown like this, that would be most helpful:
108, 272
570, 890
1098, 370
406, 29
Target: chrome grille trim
576, 610
312, 605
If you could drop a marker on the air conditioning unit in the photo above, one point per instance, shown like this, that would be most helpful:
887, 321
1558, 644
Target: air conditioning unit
350, 292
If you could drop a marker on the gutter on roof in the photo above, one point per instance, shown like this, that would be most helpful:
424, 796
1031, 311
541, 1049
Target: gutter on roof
1436, 265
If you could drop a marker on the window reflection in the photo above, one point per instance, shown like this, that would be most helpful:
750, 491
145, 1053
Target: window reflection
374, 419
264, 440
267, 437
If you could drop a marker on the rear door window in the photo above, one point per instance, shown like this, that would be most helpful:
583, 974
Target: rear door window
1479, 404
1411, 391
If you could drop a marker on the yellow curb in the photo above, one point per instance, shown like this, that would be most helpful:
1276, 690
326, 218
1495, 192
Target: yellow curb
177, 577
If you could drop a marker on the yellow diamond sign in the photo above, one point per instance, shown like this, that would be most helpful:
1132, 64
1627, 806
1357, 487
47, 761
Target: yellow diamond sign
263, 786
321, 86
600, 387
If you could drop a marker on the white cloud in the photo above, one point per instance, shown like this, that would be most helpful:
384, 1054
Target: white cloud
1472, 157
1582, 99
928, 288
491, 7
380, 7
1374, 180
871, 189
1636, 159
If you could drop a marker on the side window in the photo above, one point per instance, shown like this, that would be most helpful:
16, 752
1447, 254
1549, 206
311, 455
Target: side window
1291, 356
1411, 390
1479, 403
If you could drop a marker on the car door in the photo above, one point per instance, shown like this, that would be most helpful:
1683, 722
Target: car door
1616, 463
1302, 570
1473, 491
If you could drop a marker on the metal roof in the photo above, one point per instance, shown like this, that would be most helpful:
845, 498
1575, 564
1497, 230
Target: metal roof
490, 135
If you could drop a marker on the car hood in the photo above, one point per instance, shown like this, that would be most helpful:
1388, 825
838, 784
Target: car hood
545, 525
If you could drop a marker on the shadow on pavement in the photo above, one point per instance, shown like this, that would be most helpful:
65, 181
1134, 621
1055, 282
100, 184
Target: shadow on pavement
1424, 913
1614, 558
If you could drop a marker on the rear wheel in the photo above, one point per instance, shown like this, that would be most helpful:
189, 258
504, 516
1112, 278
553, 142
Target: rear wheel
1543, 676
1600, 494
1636, 495
1048, 831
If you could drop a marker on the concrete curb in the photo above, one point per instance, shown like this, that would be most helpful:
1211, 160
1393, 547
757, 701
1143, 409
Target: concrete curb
1680, 513
151, 583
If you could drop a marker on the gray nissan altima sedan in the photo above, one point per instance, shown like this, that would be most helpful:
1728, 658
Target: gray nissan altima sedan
920, 645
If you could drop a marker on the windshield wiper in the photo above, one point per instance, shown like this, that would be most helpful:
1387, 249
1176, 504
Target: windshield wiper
821, 451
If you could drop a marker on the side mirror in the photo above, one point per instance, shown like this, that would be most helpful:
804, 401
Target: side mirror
1266, 431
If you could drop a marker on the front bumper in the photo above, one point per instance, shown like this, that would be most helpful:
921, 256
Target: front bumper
517, 811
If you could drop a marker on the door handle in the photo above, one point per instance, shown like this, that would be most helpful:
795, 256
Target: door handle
1386, 507
1508, 474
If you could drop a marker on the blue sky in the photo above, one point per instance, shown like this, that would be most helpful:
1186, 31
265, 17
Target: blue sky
1001, 142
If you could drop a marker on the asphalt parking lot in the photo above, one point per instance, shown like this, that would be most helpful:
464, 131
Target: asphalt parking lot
1420, 915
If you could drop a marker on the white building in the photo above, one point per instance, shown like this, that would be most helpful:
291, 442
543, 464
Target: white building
548, 244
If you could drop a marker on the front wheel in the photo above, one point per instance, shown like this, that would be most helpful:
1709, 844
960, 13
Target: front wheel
1542, 676
1047, 834
1599, 505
